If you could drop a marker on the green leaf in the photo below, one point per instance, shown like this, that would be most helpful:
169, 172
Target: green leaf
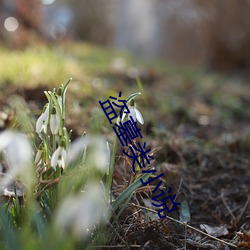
65, 87
184, 212
132, 96
10, 236
112, 164
128, 191
122, 208
39, 222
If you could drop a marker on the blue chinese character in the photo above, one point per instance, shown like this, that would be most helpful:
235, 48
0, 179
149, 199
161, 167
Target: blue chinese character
165, 207
128, 131
153, 179
143, 155
123, 106
110, 111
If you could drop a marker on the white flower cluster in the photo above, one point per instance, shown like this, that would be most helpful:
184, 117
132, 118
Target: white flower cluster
52, 118
60, 153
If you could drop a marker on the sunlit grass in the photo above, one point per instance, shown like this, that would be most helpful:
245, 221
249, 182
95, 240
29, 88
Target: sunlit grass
41, 64
37, 65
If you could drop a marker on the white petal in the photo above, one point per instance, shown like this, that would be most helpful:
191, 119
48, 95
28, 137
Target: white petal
123, 115
132, 113
139, 116
44, 127
19, 151
46, 113
39, 123
78, 147
59, 99
101, 154
42, 121
64, 154
18, 157
55, 156
65, 217
63, 159
79, 214
54, 124
5, 139
61, 163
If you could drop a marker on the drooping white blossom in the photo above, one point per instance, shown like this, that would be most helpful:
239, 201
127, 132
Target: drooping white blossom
54, 121
59, 157
42, 122
98, 152
79, 214
17, 151
134, 113
101, 154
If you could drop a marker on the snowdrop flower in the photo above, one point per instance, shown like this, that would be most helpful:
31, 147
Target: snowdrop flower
79, 214
134, 113
54, 121
98, 152
42, 122
77, 148
59, 157
17, 152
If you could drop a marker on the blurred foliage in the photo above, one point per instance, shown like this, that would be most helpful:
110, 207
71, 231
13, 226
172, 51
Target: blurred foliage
37, 65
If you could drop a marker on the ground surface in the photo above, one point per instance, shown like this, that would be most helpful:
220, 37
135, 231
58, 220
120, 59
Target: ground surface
197, 122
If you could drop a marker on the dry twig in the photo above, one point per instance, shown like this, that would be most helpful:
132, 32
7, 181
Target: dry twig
185, 224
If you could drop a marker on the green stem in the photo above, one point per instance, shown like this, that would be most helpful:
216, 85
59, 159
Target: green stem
47, 140
63, 100
54, 142
112, 164
59, 111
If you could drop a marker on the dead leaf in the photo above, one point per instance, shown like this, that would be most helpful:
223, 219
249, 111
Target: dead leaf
245, 236
214, 230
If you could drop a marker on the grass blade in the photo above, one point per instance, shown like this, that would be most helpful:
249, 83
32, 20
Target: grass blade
128, 191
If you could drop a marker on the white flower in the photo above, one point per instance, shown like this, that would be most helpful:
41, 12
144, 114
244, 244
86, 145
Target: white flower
134, 113
42, 122
59, 157
101, 154
54, 121
79, 214
98, 152
17, 152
